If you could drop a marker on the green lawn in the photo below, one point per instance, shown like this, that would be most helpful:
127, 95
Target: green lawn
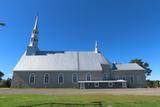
96, 100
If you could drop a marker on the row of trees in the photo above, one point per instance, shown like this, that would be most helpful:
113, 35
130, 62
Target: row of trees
153, 83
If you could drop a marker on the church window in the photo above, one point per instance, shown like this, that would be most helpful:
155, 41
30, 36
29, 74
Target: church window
104, 76
140, 79
88, 77
74, 78
116, 77
124, 77
46, 78
32, 78
131, 80
61, 78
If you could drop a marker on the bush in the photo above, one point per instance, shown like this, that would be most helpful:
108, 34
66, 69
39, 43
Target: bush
5, 83
153, 83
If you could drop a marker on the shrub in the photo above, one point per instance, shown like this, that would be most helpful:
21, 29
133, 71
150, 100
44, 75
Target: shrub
5, 83
153, 83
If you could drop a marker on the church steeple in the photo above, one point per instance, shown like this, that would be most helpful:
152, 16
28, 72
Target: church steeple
96, 47
33, 45
34, 36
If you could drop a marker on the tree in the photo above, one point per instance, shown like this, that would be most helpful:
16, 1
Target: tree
5, 83
2, 24
8, 82
143, 64
1, 75
153, 83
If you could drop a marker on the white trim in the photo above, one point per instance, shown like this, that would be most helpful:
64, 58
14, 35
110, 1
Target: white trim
76, 78
102, 81
90, 76
44, 78
62, 77
30, 78
96, 84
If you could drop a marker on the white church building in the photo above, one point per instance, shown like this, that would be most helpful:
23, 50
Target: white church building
72, 69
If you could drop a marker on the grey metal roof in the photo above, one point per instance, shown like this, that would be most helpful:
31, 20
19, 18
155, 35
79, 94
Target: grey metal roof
130, 66
67, 61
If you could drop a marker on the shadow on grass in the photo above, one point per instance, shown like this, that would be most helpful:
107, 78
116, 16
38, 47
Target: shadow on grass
92, 104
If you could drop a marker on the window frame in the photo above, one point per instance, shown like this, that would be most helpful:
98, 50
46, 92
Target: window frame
131, 80
104, 76
48, 78
87, 76
34, 81
62, 79
73, 78
124, 77
117, 77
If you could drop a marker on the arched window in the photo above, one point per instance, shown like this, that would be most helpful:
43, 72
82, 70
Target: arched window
74, 78
124, 77
139, 79
104, 76
60, 78
117, 77
131, 79
88, 77
46, 78
32, 78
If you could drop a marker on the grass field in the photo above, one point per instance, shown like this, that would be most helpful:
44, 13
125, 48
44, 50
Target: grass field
96, 100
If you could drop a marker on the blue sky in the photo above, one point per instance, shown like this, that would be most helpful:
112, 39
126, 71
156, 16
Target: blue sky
125, 29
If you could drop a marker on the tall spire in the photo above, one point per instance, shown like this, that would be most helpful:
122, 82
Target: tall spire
96, 47
34, 36
33, 45
36, 23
